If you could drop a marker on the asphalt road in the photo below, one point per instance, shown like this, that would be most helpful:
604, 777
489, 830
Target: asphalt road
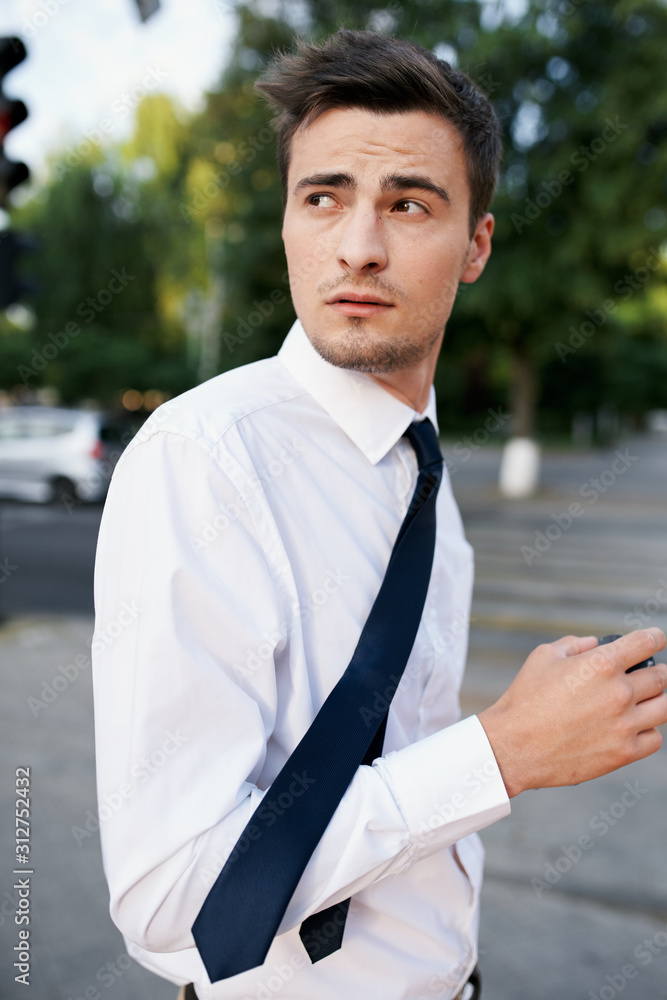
46, 558
47, 553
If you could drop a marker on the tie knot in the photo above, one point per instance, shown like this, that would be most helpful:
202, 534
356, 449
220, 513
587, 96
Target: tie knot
424, 440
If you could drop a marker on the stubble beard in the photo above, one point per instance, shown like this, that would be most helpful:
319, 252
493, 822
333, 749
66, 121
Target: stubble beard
355, 348
359, 347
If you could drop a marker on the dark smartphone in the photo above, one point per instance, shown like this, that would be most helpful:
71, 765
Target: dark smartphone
638, 666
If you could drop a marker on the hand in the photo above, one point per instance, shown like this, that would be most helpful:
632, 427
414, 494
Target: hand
572, 713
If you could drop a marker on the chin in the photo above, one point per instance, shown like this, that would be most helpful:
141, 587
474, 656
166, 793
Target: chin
362, 349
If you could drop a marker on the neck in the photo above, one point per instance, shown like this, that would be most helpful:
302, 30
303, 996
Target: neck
414, 395
412, 386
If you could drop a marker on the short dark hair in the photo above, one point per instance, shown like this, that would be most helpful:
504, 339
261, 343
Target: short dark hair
372, 71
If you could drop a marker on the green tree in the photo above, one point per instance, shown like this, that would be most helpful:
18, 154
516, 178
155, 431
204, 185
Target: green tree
232, 192
578, 89
102, 315
570, 311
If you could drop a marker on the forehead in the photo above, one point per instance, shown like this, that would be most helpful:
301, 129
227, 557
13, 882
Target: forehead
368, 144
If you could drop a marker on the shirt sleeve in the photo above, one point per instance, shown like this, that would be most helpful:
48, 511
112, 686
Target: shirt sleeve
185, 594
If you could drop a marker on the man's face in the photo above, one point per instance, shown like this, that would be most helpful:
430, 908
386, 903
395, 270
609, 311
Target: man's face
377, 237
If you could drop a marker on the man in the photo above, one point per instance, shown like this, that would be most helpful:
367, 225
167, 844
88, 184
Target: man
250, 525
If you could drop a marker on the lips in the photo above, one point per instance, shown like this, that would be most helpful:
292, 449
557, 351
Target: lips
359, 304
365, 299
359, 310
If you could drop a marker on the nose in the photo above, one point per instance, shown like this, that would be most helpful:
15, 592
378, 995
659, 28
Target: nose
362, 247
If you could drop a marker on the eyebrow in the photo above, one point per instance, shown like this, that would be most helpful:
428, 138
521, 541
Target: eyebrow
338, 180
416, 182
390, 182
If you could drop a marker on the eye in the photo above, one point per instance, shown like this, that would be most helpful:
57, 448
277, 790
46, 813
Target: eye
321, 200
407, 207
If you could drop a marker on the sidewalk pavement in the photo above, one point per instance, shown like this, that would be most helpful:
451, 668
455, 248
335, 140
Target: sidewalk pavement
575, 899
46, 723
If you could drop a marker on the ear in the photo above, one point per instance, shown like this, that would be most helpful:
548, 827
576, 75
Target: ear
479, 250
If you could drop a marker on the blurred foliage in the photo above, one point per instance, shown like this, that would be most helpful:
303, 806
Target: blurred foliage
571, 313
99, 320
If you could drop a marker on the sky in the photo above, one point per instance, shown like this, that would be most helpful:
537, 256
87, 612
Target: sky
89, 59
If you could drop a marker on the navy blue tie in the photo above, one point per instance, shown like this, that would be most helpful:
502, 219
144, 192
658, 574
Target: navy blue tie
243, 910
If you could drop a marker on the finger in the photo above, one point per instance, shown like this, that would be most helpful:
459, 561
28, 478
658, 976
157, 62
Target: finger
649, 683
572, 645
636, 646
649, 741
651, 713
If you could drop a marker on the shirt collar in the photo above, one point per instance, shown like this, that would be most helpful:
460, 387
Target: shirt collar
369, 415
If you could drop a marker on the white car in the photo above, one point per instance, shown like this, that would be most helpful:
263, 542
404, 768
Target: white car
656, 421
49, 454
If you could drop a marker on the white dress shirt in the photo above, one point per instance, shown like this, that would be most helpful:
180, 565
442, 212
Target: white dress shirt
246, 533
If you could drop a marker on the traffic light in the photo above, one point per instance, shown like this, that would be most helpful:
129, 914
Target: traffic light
13, 286
12, 244
12, 113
